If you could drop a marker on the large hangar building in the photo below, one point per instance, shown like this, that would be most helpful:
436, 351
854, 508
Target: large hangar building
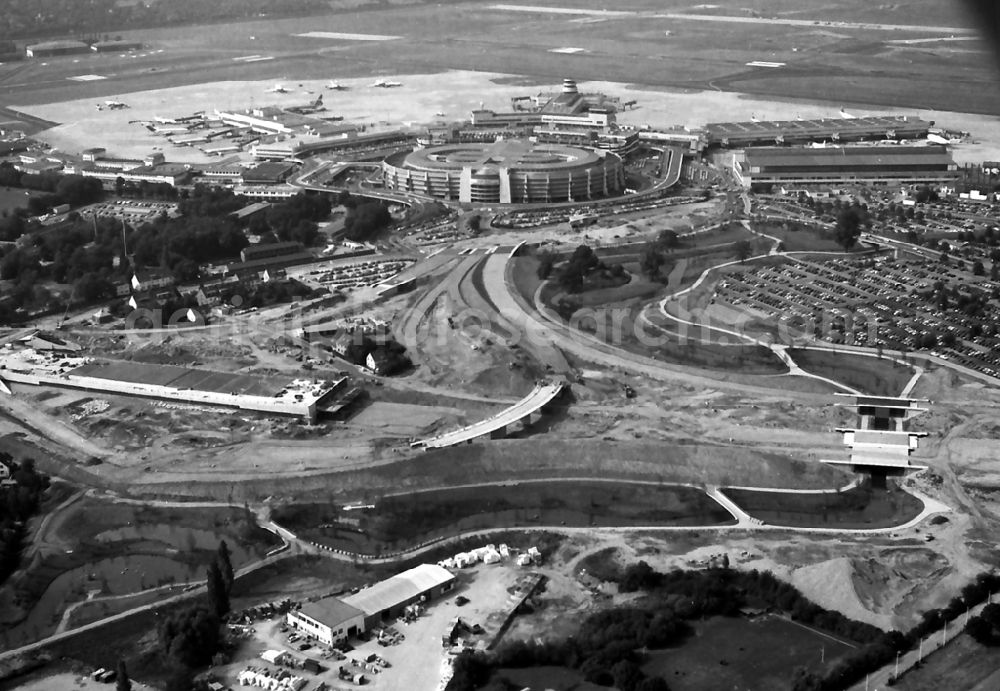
845, 165
506, 172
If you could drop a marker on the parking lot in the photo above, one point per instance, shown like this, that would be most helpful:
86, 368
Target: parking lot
130, 211
876, 302
418, 661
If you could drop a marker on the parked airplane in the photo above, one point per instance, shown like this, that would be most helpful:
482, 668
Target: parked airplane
385, 84
115, 105
278, 89
844, 114
336, 86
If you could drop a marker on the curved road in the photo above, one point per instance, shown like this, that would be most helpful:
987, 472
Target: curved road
540, 396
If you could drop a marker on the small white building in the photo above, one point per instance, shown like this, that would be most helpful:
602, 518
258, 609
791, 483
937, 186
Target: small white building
329, 620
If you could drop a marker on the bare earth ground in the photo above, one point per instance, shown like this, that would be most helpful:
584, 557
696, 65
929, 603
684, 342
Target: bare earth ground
422, 96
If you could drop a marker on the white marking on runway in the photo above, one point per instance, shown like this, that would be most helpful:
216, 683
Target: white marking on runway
336, 35
765, 63
561, 10
87, 78
568, 51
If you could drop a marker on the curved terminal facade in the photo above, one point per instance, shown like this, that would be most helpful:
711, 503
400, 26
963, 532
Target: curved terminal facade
506, 172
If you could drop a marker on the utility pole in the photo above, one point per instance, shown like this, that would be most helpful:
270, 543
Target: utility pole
920, 650
895, 675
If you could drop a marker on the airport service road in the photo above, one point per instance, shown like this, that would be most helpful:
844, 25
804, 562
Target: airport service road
530, 404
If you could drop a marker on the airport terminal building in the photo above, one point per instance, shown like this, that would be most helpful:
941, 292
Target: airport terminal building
845, 165
506, 172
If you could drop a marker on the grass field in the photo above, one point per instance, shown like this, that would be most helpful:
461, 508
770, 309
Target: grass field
870, 375
116, 549
800, 238
13, 198
757, 655
860, 507
399, 522
962, 664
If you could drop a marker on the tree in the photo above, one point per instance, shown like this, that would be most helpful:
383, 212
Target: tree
848, 228
218, 596
668, 239
545, 263
743, 250
651, 262
981, 631
653, 684
978, 269
226, 566
804, 680
190, 637
122, 682
627, 675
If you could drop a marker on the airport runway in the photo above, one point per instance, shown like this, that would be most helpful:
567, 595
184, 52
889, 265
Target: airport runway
638, 46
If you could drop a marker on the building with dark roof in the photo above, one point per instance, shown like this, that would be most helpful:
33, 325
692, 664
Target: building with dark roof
272, 249
269, 172
116, 46
845, 165
506, 172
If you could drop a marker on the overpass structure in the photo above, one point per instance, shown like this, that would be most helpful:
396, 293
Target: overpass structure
496, 427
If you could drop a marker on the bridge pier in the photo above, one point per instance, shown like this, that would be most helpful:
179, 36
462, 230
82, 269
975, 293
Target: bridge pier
499, 433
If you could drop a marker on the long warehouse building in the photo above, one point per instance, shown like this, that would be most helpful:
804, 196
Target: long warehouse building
332, 619
845, 165
765, 132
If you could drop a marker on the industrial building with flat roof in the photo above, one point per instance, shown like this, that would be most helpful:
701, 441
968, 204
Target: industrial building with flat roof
506, 172
274, 395
333, 619
52, 48
329, 620
764, 132
845, 165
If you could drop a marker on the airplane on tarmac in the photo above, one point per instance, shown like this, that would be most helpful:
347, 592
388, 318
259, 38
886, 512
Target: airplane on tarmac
112, 105
278, 89
336, 86
385, 84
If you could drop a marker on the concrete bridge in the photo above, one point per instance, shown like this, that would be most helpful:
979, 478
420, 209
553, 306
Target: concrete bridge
496, 427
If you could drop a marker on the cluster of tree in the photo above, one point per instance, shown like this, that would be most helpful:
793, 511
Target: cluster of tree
384, 349
852, 667
985, 626
180, 245
62, 17
606, 652
275, 293
578, 267
924, 194
161, 191
850, 220
365, 220
17, 504
294, 220
74, 190
654, 256
191, 637
606, 649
